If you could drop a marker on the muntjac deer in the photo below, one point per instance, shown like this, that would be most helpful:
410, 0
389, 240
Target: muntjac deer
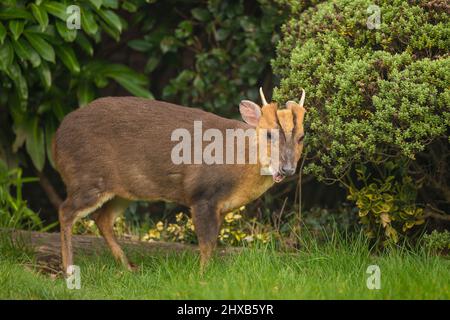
116, 150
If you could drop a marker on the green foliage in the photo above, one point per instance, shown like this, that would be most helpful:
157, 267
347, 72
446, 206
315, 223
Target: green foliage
14, 212
370, 92
221, 49
388, 202
437, 241
373, 96
47, 69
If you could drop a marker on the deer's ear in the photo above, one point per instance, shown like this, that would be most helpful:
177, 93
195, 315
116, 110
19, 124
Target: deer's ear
298, 111
250, 112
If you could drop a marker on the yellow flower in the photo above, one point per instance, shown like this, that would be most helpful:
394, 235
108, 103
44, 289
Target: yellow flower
154, 234
264, 237
238, 235
179, 216
224, 233
229, 217
160, 226
190, 225
173, 228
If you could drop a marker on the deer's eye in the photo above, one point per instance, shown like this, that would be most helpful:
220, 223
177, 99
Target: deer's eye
301, 138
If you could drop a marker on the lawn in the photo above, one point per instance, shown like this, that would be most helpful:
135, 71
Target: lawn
335, 269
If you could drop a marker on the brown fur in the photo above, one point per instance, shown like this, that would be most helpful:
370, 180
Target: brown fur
119, 149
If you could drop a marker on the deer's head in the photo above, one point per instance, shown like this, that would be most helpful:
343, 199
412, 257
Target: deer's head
279, 129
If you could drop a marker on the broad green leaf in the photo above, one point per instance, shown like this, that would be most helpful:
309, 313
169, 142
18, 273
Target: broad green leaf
56, 9
21, 136
84, 43
15, 13
100, 81
41, 46
96, 3
67, 34
113, 4
26, 52
67, 56
35, 144
2, 33
222, 34
15, 73
58, 110
140, 45
117, 70
44, 107
85, 92
16, 27
134, 88
201, 14
111, 31
6, 55
50, 129
88, 22
199, 84
184, 29
111, 18
41, 15
152, 63
49, 34
127, 78
45, 75
129, 6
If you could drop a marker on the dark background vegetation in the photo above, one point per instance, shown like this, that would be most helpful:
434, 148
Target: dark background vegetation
377, 100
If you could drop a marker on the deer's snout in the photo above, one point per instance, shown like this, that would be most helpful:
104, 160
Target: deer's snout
287, 170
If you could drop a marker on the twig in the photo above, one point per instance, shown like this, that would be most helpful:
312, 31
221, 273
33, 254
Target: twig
436, 213
300, 174
278, 223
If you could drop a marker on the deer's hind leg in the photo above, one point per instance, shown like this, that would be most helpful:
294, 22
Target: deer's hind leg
74, 207
104, 218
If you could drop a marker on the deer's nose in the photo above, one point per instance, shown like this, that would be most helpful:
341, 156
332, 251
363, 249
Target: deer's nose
287, 170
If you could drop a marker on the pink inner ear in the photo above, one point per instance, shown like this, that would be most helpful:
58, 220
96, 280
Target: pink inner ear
250, 112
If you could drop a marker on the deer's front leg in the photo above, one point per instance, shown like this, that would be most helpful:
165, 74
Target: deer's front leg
207, 223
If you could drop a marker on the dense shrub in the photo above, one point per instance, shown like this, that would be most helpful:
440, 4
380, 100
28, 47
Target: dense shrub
47, 69
218, 51
378, 101
437, 241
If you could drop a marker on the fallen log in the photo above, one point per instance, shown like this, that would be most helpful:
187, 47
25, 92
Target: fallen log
47, 246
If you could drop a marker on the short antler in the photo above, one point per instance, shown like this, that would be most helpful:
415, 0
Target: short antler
263, 99
302, 100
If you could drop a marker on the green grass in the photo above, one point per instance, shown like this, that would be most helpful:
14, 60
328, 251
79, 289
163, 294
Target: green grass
334, 270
